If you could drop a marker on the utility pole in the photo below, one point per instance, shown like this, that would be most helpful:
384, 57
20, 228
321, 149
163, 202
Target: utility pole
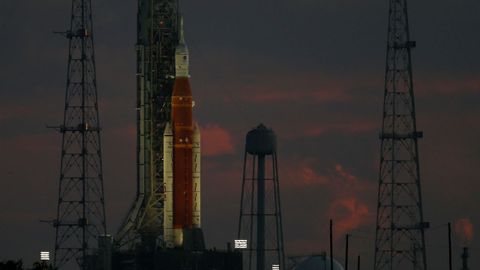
346, 250
331, 244
450, 265
400, 240
81, 203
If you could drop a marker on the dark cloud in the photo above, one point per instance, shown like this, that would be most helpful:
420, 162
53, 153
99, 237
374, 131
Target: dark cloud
312, 70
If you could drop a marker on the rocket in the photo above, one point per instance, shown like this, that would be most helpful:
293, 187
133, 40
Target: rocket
181, 156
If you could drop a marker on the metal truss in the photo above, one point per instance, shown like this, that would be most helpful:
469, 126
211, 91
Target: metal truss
156, 42
81, 204
400, 240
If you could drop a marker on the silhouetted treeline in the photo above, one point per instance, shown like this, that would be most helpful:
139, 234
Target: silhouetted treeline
18, 265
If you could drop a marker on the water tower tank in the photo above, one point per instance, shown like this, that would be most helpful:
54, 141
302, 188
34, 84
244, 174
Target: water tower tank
317, 262
261, 141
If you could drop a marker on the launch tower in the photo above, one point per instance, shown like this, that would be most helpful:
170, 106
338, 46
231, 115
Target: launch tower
157, 39
81, 210
400, 240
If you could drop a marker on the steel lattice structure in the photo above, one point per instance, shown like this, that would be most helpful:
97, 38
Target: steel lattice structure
157, 38
81, 209
400, 240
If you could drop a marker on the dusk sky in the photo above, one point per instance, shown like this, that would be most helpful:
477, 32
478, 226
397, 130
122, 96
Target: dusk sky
311, 70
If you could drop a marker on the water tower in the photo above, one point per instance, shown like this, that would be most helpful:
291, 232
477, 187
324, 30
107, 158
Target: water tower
260, 220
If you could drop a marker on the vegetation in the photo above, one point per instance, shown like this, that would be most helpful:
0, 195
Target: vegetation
18, 265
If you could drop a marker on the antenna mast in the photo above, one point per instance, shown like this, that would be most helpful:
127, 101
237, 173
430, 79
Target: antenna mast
81, 203
400, 240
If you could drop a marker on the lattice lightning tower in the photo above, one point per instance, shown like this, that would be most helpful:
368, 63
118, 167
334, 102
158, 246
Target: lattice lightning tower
81, 210
400, 240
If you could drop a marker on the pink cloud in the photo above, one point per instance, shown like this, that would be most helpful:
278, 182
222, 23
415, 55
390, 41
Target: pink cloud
352, 126
127, 132
263, 94
305, 87
464, 230
348, 205
344, 174
16, 112
216, 141
303, 173
31, 143
310, 177
348, 214
449, 86
346, 127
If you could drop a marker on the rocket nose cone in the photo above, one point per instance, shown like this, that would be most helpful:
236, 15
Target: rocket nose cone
181, 49
196, 130
168, 130
181, 55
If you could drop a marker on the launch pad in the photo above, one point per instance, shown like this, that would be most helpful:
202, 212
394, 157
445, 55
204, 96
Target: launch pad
163, 227
174, 259
166, 211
